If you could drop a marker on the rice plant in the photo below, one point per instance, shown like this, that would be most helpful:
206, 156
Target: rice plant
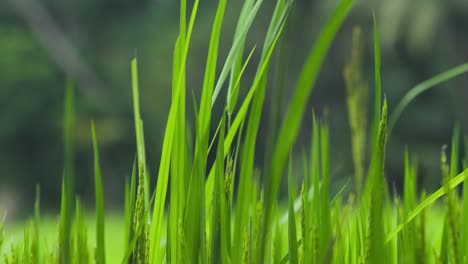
230, 211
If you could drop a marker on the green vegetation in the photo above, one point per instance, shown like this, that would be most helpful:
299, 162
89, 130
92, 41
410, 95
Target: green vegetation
228, 211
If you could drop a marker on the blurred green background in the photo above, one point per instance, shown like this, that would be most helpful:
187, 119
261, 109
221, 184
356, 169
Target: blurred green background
45, 42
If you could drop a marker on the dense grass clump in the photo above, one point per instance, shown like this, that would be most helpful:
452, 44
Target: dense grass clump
229, 211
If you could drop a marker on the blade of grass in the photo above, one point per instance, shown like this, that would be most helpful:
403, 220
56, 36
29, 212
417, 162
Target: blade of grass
177, 175
2, 231
451, 200
176, 194
236, 87
156, 254
140, 139
81, 240
217, 231
315, 212
454, 182
454, 156
36, 227
130, 194
277, 91
278, 245
68, 186
27, 256
127, 215
233, 93
140, 253
375, 248
409, 193
99, 192
306, 223
418, 89
443, 256
408, 238
196, 215
242, 113
464, 225
377, 109
248, 155
231, 58
293, 255
245, 177
295, 112
325, 210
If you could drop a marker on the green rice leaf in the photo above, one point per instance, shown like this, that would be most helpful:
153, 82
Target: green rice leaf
415, 91
306, 223
68, 185
464, 225
454, 182
278, 245
130, 197
242, 113
236, 87
36, 245
180, 55
218, 230
293, 254
293, 117
325, 210
197, 239
315, 212
99, 192
140, 139
451, 201
455, 154
234, 52
248, 155
376, 252
408, 239
236, 70
81, 254
178, 178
